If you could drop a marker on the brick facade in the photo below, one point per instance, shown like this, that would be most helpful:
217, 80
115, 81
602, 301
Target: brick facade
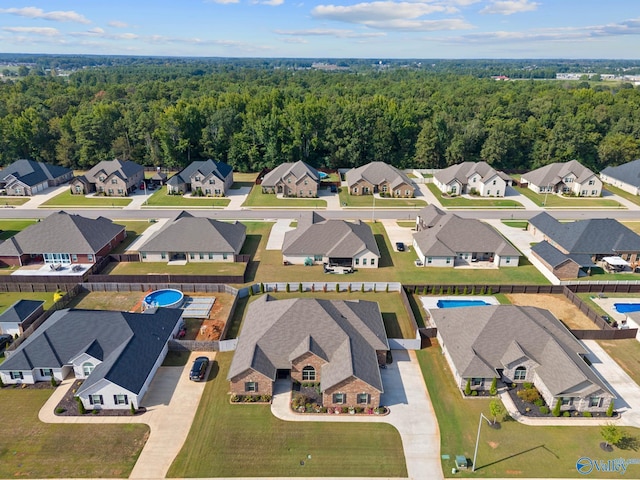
307, 359
239, 383
351, 388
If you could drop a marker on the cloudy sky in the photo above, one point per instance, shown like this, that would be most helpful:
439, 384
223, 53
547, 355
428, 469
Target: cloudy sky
319, 28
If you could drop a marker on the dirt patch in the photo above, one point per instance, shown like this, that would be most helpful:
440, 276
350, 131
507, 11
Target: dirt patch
559, 305
494, 445
212, 327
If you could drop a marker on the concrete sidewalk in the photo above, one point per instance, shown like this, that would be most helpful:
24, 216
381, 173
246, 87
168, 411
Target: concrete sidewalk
426, 195
36, 200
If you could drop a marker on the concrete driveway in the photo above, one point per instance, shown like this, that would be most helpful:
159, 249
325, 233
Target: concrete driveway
276, 236
398, 234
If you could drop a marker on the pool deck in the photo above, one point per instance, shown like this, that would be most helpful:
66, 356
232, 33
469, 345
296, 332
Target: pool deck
431, 303
607, 305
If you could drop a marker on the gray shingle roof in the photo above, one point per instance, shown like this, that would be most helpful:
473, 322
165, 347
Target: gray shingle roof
462, 171
590, 237
128, 344
450, 234
477, 337
377, 173
555, 257
206, 167
554, 173
187, 233
123, 168
347, 333
337, 238
297, 169
61, 232
20, 311
628, 173
32, 173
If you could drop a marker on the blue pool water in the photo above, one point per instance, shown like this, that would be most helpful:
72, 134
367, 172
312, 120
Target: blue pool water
461, 303
626, 307
323, 175
164, 298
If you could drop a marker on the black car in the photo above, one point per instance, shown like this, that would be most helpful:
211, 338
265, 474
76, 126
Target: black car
5, 341
400, 246
199, 369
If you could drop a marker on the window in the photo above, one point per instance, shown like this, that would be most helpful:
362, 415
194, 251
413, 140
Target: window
192, 256
568, 180
217, 191
448, 260
595, 402
429, 259
101, 178
454, 189
407, 192
90, 257
46, 372
120, 400
16, 375
251, 386
474, 179
339, 398
364, 261
306, 182
373, 262
201, 256
498, 193
114, 181
363, 399
493, 183
397, 193
384, 188
355, 189
212, 182
357, 261
476, 382
207, 191
74, 257
318, 258
567, 400
78, 188
224, 256
365, 190
520, 373
288, 180
308, 374
594, 192
197, 178
210, 255
488, 192
95, 399
143, 255
583, 193
163, 255
507, 260
592, 182
87, 368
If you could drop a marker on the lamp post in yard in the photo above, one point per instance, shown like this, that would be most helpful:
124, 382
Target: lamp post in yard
475, 453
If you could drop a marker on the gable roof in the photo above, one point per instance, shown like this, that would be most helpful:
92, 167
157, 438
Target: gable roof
345, 333
122, 168
554, 173
187, 233
315, 235
494, 336
448, 234
127, 344
61, 232
377, 173
20, 311
463, 171
628, 173
592, 236
33, 173
298, 169
555, 257
206, 167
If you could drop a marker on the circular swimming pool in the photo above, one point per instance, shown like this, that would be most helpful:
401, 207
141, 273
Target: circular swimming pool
167, 297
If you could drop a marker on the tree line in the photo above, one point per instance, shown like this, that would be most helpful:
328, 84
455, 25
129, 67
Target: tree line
166, 114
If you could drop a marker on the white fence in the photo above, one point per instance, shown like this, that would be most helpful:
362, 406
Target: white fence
329, 286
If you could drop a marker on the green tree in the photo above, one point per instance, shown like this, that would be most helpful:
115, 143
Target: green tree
467, 387
493, 390
611, 434
497, 409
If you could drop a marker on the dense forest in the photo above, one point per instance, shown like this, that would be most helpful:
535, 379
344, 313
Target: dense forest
168, 113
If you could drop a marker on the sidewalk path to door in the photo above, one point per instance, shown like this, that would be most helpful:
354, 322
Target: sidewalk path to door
411, 412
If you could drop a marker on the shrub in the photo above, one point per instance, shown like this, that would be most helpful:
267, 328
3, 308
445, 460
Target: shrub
473, 290
448, 290
386, 289
60, 410
493, 390
261, 287
456, 291
362, 287
53, 381
337, 287
464, 290
95, 411
529, 395
81, 409
287, 288
556, 409
610, 409
441, 290
538, 402
433, 290
374, 287
133, 409
349, 288
544, 410
359, 409
489, 291
587, 414
527, 385
474, 393
1, 383
329, 409
324, 288
344, 409
481, 290
467, 387
235, 398
566, 413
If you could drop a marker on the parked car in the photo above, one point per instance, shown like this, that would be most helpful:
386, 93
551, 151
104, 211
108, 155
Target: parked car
400, 246
199, 369
333, 189
5, 341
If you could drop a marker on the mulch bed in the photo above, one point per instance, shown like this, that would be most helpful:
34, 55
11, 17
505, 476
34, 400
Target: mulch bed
534, 410
68, 406
310, 392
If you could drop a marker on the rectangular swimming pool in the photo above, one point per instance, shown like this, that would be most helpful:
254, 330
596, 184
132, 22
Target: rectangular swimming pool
461, 303
626, 307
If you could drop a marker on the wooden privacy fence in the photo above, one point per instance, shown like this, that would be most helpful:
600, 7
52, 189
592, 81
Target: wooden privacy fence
145, 286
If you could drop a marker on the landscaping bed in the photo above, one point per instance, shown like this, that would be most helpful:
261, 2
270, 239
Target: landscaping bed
68, 406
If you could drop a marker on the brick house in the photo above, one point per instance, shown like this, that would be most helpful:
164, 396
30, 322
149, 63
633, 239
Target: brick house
379, 177
292, 180
113, 178
209, 177
338, 344
473, 178
28, 177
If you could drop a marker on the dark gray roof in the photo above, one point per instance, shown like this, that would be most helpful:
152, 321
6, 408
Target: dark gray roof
206, 167
602, 236
20, 311
462, 171
481, 340
555, 257
628, 173
554, 173
297, 169
345, 333
376, 173
449, 234
123, 168
336, 238
127, 344
32, 173
62, 233
187, 233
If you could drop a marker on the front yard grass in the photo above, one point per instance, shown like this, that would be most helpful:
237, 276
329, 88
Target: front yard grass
347, 200
484, 202
8, 228
635, 226
161, 198
133, 228
14, 200
32, 449
514, 450
9, 298
522, 224
247, 440
258, 199
621, 193
66, 199
553, 200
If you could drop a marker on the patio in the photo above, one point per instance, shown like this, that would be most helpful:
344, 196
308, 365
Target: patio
48, 269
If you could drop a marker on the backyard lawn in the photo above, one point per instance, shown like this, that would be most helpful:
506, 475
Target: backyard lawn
552, 200
247, 440
484, 202
161, 268
347, 200
119, 301
258, 199
626, 353
514, 450
8, 228
32, 449
66, 199
161, 198
9, 298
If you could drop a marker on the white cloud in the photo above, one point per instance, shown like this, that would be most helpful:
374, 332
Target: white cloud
54, 16
509, 7
98, 32
375, 11
40, 31
117, 24
329, 32
273, 3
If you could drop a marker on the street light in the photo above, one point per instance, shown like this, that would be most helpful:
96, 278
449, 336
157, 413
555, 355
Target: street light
475, 454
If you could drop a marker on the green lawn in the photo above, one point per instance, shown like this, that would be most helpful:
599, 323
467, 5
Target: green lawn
514, 450
626, 353
621, 193
598, 274
472, 202
14, 200
161, 198
247, 440
191, 268
245, 177
258, 199
635, 226
406, 224
522, 224
552, 200
120, 301
32, 449
8, 228
66, 199
9, 298
347, 200
134, 229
